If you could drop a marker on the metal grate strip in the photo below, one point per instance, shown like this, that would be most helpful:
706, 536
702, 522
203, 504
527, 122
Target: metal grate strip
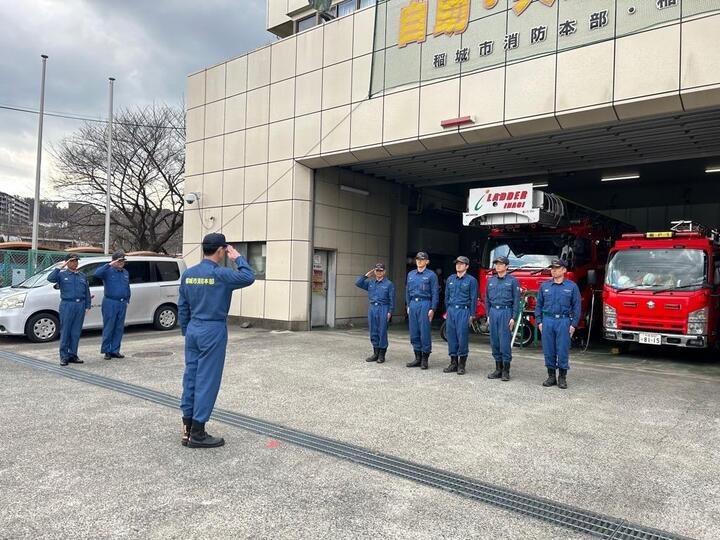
558, 514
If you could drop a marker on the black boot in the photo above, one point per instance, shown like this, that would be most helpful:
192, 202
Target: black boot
562, 381
498, 371
506, 372
381, 356
461, 365
453, 365
551, 380
75, 360
424, 360
199, 438
374, 356
187, 425
107, 356
417, 362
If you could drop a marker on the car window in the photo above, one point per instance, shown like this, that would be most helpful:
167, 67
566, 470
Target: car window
89, 270
139, 271
167, 271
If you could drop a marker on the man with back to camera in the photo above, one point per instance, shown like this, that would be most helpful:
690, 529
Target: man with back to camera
205, 294
116, 282
422, 294
502, 302
557, 313
461, 290
381, 297
74, 302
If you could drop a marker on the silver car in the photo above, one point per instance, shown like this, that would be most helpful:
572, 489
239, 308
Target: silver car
31, 307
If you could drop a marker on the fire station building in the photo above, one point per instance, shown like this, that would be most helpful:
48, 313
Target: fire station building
357, 135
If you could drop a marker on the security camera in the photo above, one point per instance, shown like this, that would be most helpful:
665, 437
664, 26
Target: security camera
192, 197
631, 10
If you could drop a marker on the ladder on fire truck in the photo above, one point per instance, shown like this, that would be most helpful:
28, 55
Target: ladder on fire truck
691, 226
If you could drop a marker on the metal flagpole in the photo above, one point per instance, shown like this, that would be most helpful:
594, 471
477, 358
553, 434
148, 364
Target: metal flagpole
36, 202
109, 171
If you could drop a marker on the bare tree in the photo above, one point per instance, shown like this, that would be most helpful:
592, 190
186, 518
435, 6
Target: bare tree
147, 178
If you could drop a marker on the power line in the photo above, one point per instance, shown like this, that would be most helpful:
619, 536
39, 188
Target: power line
70, 116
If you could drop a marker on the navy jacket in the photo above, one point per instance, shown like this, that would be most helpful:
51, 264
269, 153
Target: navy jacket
206, 290
562, 299
504, 292
116, 281
461, 291
423, 285
73, 286
382, 292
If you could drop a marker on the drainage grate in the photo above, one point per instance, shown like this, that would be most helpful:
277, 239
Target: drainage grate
559, 514
152, 354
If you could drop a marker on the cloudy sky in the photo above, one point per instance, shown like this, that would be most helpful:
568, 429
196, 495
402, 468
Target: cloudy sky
149, 46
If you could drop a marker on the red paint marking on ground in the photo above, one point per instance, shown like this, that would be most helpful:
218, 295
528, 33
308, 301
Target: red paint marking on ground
272, 443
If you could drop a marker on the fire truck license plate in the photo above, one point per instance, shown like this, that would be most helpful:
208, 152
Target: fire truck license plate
650, 339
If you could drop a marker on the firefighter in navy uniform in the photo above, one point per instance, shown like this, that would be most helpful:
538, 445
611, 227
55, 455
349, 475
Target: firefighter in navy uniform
502, 301
74, 302
381, 297
116, 281
461, 290
557, 314
205, 294
422, 294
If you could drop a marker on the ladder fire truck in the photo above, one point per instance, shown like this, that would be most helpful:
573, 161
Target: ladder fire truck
661, 288
531, 228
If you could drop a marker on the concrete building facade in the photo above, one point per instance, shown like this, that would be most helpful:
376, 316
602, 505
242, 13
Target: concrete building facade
310, 153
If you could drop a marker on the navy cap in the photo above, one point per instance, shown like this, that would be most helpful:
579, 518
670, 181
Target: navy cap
559, 263
422, 256
72, 257
462, 259
118, 255
380, 266
214, 240
502, 260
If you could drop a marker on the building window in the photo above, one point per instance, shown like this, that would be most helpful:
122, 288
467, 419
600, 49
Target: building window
346, 7
255, 253
306, 23
366, 3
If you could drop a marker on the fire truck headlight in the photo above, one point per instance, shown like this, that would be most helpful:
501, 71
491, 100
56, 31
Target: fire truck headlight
609, 317
697, 321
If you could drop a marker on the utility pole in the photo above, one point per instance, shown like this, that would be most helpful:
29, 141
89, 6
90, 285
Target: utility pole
109, 172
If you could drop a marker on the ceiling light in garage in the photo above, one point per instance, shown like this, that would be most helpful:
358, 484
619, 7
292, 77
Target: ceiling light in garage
713, 169
629, 176
542, 184
354, 190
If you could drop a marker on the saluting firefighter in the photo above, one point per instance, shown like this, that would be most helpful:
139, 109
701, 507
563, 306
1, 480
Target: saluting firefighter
502, 301
422, 294
557, 314
205, 294
116, 281
381, 298
74, 302
461, 290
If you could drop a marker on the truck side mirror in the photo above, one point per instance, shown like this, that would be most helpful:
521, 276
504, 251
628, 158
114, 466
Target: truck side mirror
592, 277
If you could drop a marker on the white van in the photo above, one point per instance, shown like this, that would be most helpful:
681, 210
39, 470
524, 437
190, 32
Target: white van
31, 307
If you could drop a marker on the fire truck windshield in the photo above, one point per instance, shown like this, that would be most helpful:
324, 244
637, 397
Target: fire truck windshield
537, 251
657, 269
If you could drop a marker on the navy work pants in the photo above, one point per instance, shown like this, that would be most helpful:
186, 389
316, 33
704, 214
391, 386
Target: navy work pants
420, 326
72, 316
378, 323
113, 314
205, 346
556, 342
500, 334
457, 329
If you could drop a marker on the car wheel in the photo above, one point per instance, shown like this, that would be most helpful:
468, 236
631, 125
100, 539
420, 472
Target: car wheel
165, 318
42, 327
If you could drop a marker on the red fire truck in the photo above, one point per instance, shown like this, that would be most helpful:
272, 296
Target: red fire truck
531, 228
661, 288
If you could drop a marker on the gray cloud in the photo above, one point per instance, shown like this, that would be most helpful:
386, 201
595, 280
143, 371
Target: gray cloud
149, 47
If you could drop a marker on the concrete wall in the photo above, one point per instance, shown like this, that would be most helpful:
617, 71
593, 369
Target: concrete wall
359, 228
